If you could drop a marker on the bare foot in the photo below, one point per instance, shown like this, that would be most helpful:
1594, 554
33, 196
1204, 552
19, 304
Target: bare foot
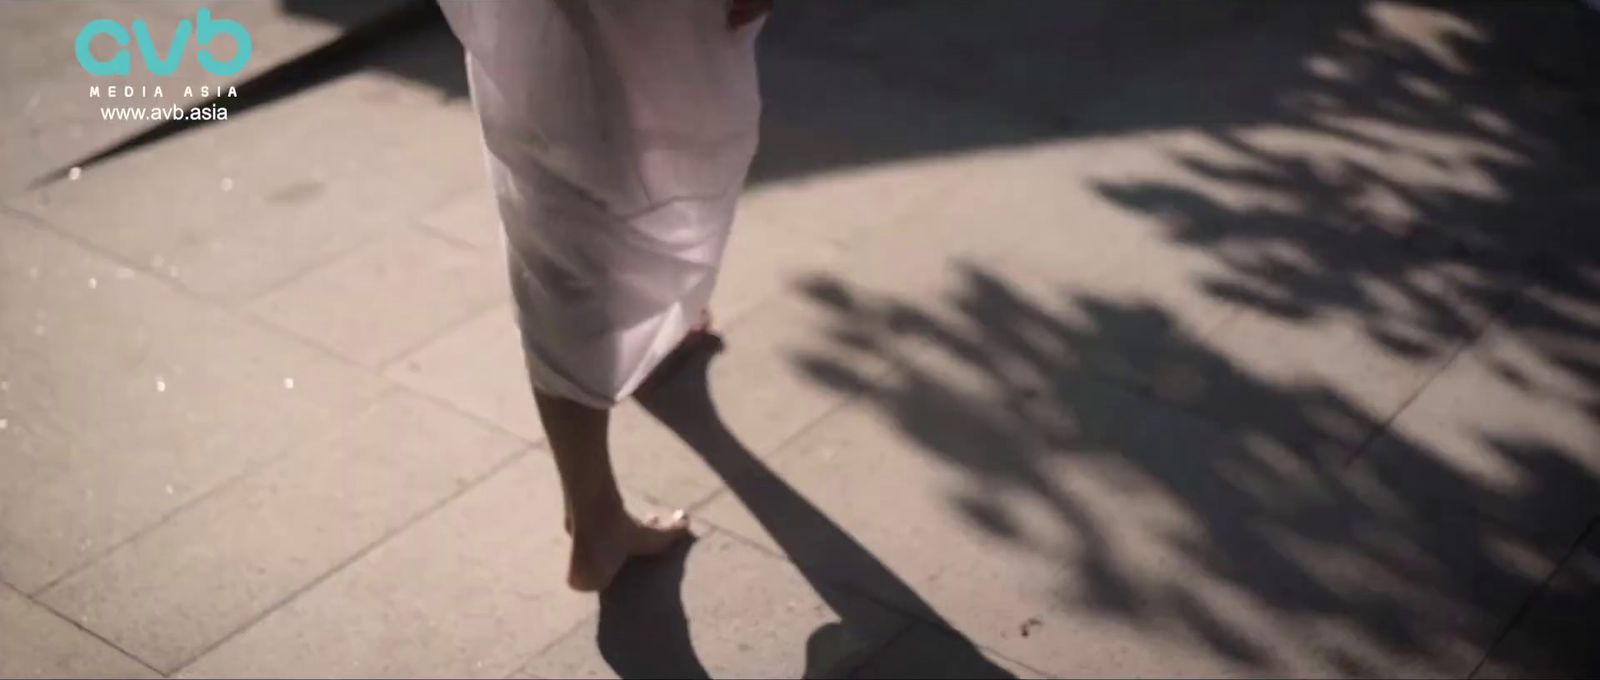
597, 559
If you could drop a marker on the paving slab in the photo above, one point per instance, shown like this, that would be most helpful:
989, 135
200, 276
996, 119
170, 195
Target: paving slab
1116, 536
719, 608
1554, 636
387, 297
876, 121
470, 217
230, 558
766, 256
478, 368
1146, 240
1070, 375
923, 651
1024, 228
1063, 61
36, 643
242, 205
55, 122
126, 399
473, 590
1508, 430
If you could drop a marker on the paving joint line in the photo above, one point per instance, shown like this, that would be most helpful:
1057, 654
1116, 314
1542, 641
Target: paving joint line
845, 587
1533, 597
355, 557
376, 232
395, 360
226, 483
415, 223
584, 622
394, 384
1516, 300
92, 633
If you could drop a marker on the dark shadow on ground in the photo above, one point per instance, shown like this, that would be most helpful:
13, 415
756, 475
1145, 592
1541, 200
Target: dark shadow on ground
1423, 168
1410, 558
644, 631
1475, 147
1419, 150
1441, 159
853, 582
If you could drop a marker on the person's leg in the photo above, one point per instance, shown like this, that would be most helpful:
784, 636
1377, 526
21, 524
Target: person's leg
604, 536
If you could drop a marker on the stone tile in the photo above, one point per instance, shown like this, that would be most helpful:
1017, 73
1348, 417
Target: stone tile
1128, 312
1024, 237
35, 643
652, 461
478, 368
238, 207
61, 123
1505, 433
1115, 536
766, 256
229, 558
472, 590
924, 652
388, 296
1111, 235
1375, 354
1066, 61
720, 608
874, 123
125, 400
759, 384
469, 217
1554, 637
758, 392
312, 214
1035, 203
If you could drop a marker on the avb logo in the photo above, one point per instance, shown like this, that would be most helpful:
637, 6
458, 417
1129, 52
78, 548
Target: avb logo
203, 28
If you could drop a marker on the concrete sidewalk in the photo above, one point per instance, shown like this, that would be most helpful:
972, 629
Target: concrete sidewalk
48, 122
1093, 338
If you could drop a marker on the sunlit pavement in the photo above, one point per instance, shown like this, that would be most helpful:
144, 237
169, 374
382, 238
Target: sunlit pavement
1092, 338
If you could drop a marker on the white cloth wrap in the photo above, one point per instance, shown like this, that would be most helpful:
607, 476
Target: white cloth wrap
619, 136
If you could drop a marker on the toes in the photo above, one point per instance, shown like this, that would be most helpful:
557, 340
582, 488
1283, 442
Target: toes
660, 534
677, 521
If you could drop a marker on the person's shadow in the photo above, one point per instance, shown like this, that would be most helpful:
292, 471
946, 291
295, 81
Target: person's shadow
644, 630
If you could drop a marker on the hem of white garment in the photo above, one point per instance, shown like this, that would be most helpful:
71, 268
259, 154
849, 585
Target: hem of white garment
546, 379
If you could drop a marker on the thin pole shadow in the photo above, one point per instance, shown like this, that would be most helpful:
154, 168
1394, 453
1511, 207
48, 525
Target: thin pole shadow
839, 569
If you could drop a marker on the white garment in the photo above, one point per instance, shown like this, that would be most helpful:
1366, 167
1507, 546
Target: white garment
619, 137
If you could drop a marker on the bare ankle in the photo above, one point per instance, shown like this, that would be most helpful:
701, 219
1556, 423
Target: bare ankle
598, 522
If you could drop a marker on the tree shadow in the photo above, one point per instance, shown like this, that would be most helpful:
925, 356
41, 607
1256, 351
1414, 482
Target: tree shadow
1412, 166
854, 583
1427, 179
1435, 184
1272, 506
1468, 148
